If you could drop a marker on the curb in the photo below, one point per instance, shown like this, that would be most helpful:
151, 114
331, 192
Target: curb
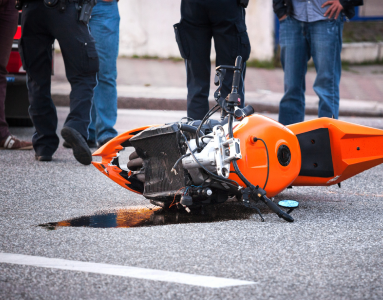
259, 106
362, 52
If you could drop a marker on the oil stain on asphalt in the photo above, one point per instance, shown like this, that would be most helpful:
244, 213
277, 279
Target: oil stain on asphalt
144, 216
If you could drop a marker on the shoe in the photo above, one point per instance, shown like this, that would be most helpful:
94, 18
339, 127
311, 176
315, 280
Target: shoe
12, 143
80, 148
43, 157
91, 144
105, 141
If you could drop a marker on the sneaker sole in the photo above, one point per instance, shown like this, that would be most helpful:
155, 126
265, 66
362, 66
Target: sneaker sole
79, 146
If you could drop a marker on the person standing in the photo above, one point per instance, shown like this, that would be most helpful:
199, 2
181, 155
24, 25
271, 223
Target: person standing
8, 26
42, 22
224, 20
311, 28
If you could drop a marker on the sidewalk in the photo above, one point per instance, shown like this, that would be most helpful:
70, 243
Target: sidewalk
161, 84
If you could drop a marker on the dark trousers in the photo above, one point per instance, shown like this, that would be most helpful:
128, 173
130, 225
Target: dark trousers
40, 27
8, 26
224, 20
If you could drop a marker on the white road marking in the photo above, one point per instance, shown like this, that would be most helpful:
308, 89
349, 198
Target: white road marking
132, 272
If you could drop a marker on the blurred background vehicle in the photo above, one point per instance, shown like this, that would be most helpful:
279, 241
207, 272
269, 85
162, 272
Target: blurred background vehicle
16, 101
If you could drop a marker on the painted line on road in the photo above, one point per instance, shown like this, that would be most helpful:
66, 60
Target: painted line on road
125, 271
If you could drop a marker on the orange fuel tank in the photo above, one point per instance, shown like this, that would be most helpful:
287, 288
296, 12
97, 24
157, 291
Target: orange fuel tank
283, 148
333, 150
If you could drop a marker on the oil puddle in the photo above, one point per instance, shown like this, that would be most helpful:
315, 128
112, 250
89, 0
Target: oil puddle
144, 216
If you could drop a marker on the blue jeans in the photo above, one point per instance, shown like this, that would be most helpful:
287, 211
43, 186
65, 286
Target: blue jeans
104, 25
299, 41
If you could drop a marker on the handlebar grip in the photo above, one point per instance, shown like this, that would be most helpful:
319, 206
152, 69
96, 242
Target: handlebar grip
238, 62
248, 110
237, 75
277, 210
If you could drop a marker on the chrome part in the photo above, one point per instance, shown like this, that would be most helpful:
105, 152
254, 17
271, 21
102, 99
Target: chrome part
223, 167
235, 149
215, 156
206, 157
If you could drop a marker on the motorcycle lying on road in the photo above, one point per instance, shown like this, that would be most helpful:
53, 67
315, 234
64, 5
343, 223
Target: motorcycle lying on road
195, 163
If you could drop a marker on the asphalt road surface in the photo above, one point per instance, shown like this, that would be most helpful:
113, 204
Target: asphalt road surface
333, 250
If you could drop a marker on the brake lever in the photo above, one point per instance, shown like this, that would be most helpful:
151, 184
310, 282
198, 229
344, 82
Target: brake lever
218, 81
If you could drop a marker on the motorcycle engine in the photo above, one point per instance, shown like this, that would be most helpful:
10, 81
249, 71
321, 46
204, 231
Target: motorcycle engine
167, 177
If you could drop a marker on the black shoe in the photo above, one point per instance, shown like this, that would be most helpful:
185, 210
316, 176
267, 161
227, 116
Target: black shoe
43, 157
105, 141
80, 148
91, 144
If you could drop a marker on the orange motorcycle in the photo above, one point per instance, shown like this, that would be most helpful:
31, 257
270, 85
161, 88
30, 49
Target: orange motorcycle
195, 163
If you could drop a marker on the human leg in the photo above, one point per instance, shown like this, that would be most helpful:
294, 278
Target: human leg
326, 46
104, 26
81, 65
230, 40
295, 54
35, 49
194, 35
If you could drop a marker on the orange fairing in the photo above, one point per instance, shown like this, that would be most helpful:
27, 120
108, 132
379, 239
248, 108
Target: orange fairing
253, 164
354, 149
109, 151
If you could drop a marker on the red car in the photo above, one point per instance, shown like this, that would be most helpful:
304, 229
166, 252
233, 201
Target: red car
16, 101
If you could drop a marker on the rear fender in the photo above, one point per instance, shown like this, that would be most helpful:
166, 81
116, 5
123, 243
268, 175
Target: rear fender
109, 164
352, 149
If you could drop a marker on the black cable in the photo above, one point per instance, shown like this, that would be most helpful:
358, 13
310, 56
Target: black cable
178, 160
182, 157
268, 163
188, 118
206, 137
211, 112
216, 177
231, 135
235, 165
207, 116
